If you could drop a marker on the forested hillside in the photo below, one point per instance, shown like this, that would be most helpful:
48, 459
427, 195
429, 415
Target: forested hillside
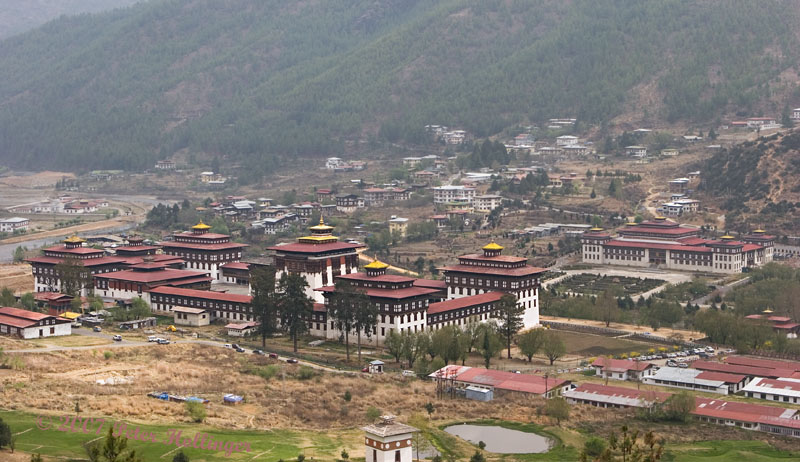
260, 80
18, 16
757, 183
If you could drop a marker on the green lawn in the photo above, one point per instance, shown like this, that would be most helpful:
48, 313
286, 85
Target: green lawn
724, 451
268, 445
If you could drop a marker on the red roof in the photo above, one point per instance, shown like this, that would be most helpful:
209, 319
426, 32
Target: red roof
150, 276
298, 247
622, 365
623, 392
523, 271
320, 308
88, 262
430, 283
201, 236
745, 412
464, 302
760, 362
741, 369
236, 265
396, 294
655, 230
16, 322
51, 296
76, 250
502, 380
186, 245
779, 318
497, 258
721, 377
788, 325
206, 294
24, 314
136, 248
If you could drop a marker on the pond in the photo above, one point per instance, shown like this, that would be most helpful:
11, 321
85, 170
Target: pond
502, 440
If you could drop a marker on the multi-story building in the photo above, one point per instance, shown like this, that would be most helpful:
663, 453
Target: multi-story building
665, 243
486, 203
319, 258
46, 273
402, 303
140, 279
445, 194
566, 140
9, 225
203, 250
164, 300
349, 203
491, 272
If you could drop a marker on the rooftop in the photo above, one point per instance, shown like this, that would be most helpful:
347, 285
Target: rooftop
464, 302
388, 426
206, 294
502, 380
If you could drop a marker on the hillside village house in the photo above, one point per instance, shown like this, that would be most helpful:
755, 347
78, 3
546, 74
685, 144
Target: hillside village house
9, 225
566, 140
636, 151
576, 150
761, 122
165, 165
679, 207
445, 194
349, 203
669, 152
333, 162
666, 244
486, 203
398, 225
796, 113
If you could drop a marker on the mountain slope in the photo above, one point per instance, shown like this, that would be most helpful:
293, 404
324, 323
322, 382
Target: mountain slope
17, 16
263, 79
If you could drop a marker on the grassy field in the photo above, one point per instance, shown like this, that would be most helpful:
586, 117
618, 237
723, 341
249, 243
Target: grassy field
265, 445
71, 341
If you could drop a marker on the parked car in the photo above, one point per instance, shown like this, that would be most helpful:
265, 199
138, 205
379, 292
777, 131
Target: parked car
235, 346
258, 352
163, 341
152, 338
273, 355
409, 373
227, 345
683, 365
291, 361
97, 329
363, 369
239, 349
672, 363
117, 338
704, 355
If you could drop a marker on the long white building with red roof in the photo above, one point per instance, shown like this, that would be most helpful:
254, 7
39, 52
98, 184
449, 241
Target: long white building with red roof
28, 324
666, 244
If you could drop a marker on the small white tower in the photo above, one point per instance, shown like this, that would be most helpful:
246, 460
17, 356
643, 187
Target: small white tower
388, 441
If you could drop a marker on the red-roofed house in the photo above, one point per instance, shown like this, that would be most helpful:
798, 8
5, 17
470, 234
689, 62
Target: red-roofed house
501, 381
27, 324
622, 369
757, 417
617, 397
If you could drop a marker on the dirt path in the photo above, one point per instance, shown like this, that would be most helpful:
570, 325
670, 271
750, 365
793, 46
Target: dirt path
82, 372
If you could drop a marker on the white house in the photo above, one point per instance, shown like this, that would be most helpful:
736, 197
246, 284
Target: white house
28, 324
566, 140
195, 317
622, 369
333, 163
242, 329
786, 390
796, 114
9, 225
694, 379
636, 151
445, 194
487, 202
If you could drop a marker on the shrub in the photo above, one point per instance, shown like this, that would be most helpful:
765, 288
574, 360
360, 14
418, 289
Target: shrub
108, 355
477, 457
347, 396
301, 457
373, 413
481, 445
594, 446
306, 373
196, 411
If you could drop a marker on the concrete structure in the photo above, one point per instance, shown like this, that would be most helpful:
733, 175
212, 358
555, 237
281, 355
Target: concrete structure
486, 203
748, 416
398, 225
140, 279
492, 272
194, 317
782, 389
242, 329
614, 397
388, 441
636, 151
679, 207
27, 324
697, 380
663, 243
501, 382
566, 140
445, 194
9, 225
165, 165
234, 307
622, 369
478, 394
333, 162
349, 203
462, 311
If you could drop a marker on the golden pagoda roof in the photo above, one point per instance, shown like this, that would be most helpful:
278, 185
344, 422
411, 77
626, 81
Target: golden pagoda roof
768, 311
631, 223
493, 246
201, 225
661, 217
74, 239
727, 236
321, 226
759, 231
376, 264
595, 229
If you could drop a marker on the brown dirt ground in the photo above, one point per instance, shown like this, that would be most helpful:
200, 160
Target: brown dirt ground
17, 277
